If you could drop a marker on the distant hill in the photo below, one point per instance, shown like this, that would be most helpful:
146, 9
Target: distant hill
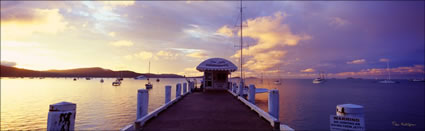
7, 71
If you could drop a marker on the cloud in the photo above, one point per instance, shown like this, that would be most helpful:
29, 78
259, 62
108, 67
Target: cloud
191, 72
25, 22
120, 3
416, 69
168, 54
122, 43
225, 31
112, 34
8, 63
337, 21
198, 54
359, 61
197, 31
271, 36
308, 70
264, 61
384, 60
144, 55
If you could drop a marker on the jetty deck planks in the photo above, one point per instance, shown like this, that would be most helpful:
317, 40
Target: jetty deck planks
211, 110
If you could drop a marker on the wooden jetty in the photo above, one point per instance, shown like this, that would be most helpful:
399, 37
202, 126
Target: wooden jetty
212, 110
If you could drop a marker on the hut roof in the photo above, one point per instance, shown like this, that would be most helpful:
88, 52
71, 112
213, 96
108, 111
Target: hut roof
216, 64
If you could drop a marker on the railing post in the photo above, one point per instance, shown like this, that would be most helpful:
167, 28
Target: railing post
178, 90
251, 95
274, 103
240, 89
61, 116
235, 87
184, 88
167, 94
191, 86
142, 103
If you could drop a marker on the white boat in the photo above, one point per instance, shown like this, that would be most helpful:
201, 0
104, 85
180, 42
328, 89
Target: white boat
418, 80
141, 77
148, 85
388, 81
319, 80
277, 82
116, 83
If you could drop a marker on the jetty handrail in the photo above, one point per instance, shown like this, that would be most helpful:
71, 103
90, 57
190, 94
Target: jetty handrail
138, 124
273, 121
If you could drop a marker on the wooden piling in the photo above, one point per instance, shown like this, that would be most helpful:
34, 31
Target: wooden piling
178, 90
167, 94
142, 103
184, 88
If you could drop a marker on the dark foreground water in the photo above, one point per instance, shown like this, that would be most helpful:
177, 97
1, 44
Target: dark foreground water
307, 106
303, 105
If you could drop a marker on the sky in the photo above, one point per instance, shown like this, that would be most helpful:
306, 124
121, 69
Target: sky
285, 39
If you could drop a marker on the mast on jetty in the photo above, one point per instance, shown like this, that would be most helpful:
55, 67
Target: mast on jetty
241, 79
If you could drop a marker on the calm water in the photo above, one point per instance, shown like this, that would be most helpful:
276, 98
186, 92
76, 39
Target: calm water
25, 102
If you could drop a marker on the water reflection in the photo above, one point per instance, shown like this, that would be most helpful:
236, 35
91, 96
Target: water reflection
25, 102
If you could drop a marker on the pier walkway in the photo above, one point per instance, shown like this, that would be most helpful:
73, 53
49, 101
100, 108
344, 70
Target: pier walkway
211, 110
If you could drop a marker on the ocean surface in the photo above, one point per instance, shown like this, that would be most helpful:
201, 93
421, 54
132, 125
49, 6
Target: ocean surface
303, 105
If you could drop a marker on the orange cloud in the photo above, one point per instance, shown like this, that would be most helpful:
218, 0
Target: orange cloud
198, 54
383, 71
308, 70
271, 36
122, 43
359, 61
384, 60
168, 54
8, 63
120, 3
17, 25
337, 21
225, 31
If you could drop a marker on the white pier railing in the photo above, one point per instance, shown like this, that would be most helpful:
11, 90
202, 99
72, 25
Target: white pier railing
272, 116
143, 99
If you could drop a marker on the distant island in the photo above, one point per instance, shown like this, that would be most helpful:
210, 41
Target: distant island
7, 71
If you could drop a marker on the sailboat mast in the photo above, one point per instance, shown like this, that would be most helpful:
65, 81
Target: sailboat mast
149, 70
241, 42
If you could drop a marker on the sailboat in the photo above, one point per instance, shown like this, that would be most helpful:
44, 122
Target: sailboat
320, 79
388, 81
149, 85
278, 81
